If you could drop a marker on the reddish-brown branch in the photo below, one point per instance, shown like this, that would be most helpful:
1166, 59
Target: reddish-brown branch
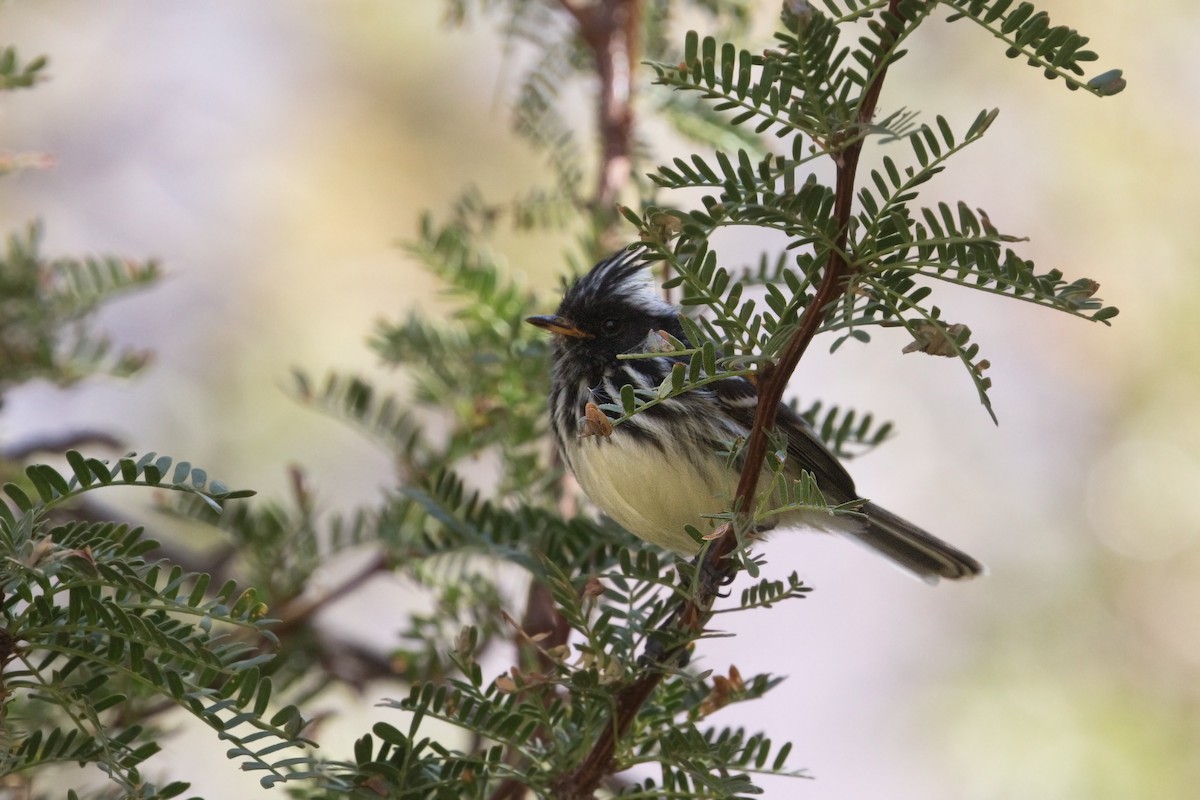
610, 28
772, 380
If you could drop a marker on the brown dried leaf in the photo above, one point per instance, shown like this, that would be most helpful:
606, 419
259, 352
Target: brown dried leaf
594, 423
663, 345
717, 534
592, 588
723, 691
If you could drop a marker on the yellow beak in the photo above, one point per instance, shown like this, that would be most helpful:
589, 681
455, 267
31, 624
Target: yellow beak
560, 326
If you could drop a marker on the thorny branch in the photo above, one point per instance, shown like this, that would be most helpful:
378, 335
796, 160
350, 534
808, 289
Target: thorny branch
772, 380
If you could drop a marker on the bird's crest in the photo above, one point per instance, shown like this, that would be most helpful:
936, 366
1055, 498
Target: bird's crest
623, 277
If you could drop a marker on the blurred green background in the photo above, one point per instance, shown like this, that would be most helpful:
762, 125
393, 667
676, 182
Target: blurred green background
271, 154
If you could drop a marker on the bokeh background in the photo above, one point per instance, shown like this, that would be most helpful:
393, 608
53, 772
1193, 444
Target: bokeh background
272, 154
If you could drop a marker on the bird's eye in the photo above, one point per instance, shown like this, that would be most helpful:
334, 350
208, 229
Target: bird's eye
610, 327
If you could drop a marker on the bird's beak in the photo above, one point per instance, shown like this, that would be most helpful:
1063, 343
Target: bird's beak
558, 325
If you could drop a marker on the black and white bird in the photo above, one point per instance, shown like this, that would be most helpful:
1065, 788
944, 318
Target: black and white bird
667, 467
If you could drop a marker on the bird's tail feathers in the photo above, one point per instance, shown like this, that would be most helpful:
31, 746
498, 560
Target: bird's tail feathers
911, 548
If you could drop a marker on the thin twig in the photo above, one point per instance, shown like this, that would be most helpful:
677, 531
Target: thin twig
772, 380
300, 610
610, 28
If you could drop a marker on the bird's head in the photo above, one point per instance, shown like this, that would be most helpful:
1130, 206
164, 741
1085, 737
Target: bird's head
609, 311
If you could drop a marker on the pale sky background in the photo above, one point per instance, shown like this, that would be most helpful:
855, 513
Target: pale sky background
271, 154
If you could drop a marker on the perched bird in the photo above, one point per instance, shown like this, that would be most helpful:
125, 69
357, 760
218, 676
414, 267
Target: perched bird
667, 466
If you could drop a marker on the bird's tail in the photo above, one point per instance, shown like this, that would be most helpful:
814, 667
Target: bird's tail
906, 545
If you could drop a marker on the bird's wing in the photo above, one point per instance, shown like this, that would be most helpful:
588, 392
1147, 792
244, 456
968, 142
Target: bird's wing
805, 449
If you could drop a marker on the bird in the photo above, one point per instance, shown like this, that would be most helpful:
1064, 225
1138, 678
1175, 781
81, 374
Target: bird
667, 466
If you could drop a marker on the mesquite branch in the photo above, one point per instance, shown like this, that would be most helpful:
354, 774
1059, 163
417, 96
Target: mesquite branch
772, 380
610, 28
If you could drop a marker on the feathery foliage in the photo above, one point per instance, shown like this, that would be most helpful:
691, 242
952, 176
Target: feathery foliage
808, 93
98, 634
95, 634
771, 118
44, 309
15, 74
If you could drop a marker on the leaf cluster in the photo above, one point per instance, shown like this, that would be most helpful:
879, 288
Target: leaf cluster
1057, 50
45, 306
807, 92
16, 74
529, 722
95, 636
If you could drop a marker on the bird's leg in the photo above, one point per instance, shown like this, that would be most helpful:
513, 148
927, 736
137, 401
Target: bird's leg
661, 643
702, 584
663, 648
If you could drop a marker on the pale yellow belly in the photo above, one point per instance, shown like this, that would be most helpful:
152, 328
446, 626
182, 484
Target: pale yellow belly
652, 495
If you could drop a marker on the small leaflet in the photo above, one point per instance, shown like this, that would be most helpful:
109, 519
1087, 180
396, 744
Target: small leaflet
936, 340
